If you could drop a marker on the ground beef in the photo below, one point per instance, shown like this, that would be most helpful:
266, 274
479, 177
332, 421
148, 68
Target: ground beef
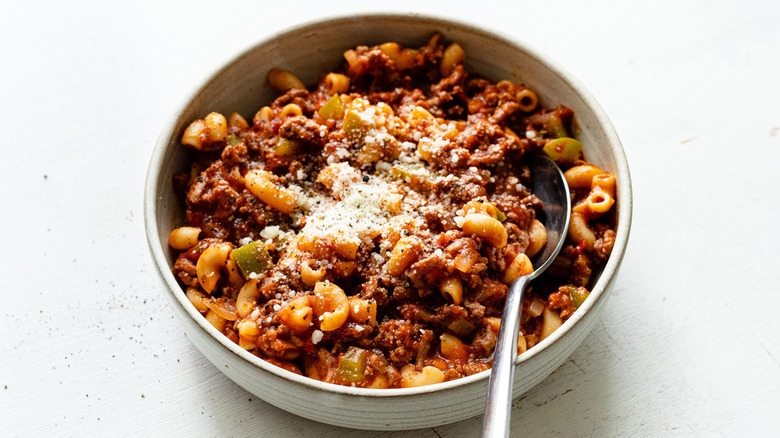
186, 271
303, 129
603, 246
401, 339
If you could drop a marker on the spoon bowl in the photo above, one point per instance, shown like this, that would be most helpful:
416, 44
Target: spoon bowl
549, 185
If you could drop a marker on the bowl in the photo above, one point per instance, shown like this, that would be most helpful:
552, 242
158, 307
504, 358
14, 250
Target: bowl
317, 47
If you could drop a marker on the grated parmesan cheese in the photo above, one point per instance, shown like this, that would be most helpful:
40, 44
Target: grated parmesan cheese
383, 166
357, 217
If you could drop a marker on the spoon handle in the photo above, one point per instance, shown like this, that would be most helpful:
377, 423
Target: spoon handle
499, 400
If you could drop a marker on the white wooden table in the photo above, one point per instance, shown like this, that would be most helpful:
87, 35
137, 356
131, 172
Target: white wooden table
689, 344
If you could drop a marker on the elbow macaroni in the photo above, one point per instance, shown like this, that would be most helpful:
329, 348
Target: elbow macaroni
404, 253
362, 311
183, 238
485, 227
261, 185
453, 56
520, 266
336, 83
247, 298
297, 314
411, 377
203, 133
537, 238
211, 264
331, 306
452, 289
283, 80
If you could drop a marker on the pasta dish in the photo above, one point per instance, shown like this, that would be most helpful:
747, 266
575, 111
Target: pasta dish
364, 231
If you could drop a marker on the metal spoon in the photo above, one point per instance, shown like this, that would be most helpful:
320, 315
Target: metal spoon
549, 185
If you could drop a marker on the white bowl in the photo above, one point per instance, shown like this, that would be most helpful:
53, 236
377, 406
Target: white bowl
309, 50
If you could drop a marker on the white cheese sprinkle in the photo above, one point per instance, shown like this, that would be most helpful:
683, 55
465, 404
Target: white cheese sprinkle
358, 216
383, 166
316, 336
271, 232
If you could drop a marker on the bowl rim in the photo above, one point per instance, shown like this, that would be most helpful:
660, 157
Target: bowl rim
607, 275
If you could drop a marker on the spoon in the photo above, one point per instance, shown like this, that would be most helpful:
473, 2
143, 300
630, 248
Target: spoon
549, 185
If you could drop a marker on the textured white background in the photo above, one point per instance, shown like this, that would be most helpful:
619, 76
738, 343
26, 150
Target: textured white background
689, 344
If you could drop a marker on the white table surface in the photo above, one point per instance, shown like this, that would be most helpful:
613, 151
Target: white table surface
689, 343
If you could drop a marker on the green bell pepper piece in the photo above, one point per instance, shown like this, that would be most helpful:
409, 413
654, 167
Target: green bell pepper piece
252, 257
333, 108
499, 214
563, 150
578, 296
352, 365
550, 122
233, 140
353, 125
285, 146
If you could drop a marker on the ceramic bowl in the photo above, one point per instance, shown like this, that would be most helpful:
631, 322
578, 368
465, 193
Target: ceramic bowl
308, 50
